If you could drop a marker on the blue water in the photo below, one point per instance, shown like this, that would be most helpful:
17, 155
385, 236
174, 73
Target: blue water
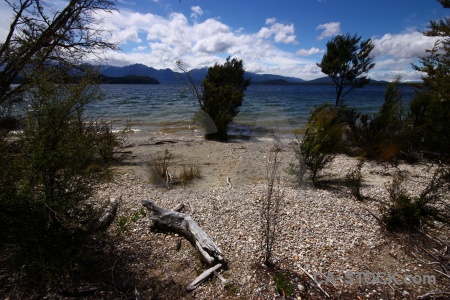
169, 109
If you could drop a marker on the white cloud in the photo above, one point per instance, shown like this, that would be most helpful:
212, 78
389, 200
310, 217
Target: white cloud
140, 48
394, 54
282, 33
196, 12
329, 29
159, 41
405, 45
307, 52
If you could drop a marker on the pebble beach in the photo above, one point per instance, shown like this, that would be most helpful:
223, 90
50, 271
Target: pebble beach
323, 231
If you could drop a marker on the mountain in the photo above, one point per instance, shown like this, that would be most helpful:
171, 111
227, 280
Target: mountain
129, 79
328, 80
162, 76
168, 76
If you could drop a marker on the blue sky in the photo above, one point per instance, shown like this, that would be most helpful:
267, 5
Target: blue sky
284, 37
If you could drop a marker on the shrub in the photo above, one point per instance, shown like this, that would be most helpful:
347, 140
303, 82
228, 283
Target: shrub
384, 136
321, 142
270, 206
159, 168
162, 171
51, 170
429, 116
189, 173
354, 180
282, 284
406, 212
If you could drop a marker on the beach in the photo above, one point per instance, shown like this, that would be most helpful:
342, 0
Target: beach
322, 230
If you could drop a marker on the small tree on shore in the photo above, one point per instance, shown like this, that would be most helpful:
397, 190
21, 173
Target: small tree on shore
430, 108
220, 96
346, 61
270, 209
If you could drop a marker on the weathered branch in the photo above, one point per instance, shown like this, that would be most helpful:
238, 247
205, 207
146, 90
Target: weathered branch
109, 215
202, 277
184, 225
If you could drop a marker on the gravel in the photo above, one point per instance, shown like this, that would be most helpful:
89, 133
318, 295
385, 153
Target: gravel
322, 230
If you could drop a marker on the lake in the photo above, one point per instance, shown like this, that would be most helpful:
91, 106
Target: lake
170, 109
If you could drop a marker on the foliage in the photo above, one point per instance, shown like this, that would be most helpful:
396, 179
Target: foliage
125, 220
282, 284
270, 206
231, 288
160, 174
346, 61
50, 171
384, 135
354, 180
430, 108
430, 123
189, 173
321, 141
406, 212
40, 33
159, 168
221, 96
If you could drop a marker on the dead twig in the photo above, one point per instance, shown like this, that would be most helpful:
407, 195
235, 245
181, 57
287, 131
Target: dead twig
315, 281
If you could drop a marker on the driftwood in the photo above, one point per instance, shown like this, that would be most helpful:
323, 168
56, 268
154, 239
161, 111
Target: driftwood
184, 225
109, 214
175, 221
200, 279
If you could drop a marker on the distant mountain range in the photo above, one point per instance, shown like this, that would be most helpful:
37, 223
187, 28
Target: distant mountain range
141, 74
168, 76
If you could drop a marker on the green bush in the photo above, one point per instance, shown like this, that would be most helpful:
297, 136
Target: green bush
383, 136
406, 212
320, 143
430, 119
220, 97
354, 180
282, 284
50, 170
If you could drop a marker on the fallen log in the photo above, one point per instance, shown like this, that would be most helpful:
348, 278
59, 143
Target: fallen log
184, 225
109, 215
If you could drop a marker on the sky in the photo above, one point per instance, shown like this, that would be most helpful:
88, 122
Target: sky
283, 37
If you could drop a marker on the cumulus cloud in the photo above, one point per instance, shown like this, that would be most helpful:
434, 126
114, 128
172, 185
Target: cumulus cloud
158, 42
307, 52
196, 12
329, 29
282, 33
405, 45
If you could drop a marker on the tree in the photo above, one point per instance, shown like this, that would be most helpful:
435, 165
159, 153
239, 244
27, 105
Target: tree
51, 169
430, 108
220, 96
39, 34
346, 61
